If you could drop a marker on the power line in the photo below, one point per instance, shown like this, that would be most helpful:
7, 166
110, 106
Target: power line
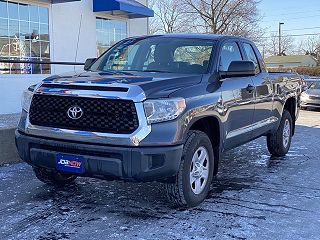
298, 35
290, 19
297, 29
289, 8
286, 14
294, 35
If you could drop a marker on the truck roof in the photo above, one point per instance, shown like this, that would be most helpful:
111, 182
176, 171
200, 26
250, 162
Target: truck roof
197, 36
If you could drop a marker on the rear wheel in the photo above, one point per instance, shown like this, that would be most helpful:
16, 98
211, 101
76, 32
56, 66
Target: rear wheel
279, 142
53, 177
192, 183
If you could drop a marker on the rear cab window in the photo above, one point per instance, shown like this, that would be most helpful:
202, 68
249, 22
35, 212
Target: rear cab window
248, 49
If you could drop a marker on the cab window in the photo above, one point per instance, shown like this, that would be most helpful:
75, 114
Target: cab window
251, 55
230, 52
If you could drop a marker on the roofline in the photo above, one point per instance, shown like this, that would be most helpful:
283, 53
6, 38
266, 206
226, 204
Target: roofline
195, 36
282, 62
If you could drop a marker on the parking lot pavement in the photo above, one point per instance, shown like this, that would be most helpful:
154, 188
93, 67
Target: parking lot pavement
9, 120
8, 124
253, 197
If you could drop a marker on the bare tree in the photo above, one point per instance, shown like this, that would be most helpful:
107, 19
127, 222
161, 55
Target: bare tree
287, 45
170, 16
311, 46
235, 17
154, 23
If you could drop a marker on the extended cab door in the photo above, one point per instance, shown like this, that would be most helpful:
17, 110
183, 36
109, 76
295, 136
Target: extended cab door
262, 120
237, 99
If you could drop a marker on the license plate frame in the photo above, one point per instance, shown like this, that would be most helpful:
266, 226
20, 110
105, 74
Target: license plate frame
70, 163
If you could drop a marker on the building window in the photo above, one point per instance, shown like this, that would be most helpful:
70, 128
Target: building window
24, 35
108, 33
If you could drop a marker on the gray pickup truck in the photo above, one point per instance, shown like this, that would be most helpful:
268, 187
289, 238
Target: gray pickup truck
157, 108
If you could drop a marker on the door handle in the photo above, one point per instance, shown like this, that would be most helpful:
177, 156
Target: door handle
250, 88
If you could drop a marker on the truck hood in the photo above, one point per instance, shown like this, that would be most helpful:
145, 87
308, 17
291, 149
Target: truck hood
154, 85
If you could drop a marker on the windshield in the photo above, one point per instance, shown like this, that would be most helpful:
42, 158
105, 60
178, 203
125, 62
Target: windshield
157, 54
314, 85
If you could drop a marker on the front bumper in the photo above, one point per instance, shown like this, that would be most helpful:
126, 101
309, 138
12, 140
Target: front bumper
103, 161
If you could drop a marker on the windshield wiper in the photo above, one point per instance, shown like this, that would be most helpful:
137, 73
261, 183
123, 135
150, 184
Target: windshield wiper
120, 72
147, 70
153, 70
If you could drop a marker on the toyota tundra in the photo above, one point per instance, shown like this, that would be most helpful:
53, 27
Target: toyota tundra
157, 108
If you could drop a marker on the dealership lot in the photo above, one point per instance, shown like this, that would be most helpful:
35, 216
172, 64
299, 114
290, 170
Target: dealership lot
253, 197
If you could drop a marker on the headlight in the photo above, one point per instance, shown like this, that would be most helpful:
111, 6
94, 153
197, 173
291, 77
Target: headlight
162, 110
27, 97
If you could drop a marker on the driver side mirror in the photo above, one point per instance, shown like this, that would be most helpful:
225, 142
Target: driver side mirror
239, 69
88, 63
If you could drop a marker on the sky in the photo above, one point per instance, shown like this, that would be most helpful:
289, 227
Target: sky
295, 14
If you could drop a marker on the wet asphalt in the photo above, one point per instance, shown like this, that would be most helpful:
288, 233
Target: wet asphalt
253, 196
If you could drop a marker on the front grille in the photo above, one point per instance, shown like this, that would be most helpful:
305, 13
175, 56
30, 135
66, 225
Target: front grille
99, 115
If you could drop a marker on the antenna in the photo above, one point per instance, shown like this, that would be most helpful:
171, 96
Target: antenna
78, 40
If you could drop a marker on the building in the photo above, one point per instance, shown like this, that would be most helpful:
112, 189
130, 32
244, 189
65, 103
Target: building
59, 30
291, 61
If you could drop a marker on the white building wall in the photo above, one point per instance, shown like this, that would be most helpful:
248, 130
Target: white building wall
139, 26
72, 28
73, 33
12, 87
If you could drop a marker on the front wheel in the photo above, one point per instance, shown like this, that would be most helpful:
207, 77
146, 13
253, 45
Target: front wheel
192, 183
279, 142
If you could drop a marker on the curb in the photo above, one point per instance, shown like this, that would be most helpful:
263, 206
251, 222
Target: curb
8, 151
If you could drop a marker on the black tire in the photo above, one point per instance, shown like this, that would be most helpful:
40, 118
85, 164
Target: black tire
179, 192
53, 177
275, 142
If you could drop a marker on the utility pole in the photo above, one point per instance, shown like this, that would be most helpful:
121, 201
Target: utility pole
280, 23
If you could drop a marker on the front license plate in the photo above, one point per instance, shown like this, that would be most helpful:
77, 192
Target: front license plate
70, 163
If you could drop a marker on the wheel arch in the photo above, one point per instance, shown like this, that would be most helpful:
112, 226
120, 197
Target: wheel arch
291, 106
211, 126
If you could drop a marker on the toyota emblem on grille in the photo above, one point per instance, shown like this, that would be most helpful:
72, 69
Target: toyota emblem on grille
75, 112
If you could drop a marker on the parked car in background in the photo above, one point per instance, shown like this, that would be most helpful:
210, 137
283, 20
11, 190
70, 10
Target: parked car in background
310, 98
158, 108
